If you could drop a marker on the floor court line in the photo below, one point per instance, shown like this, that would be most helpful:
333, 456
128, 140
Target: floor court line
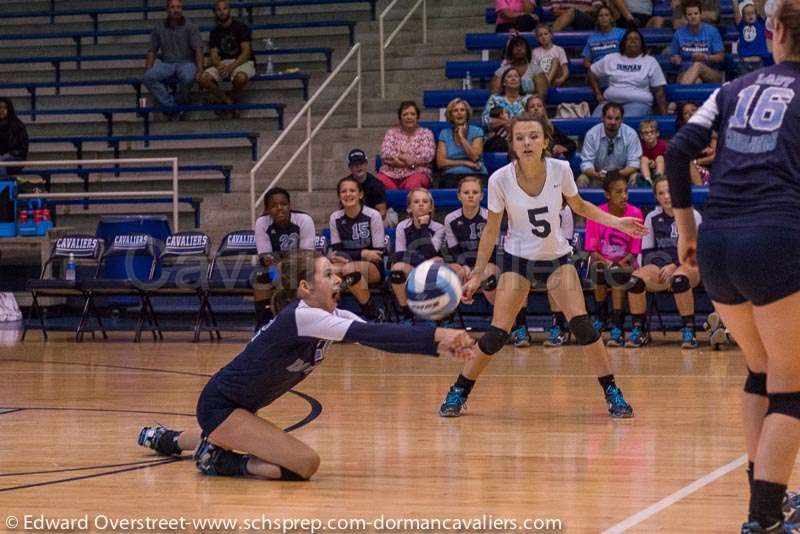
669, 500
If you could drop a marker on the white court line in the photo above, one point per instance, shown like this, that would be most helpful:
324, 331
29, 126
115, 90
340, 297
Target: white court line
669, 500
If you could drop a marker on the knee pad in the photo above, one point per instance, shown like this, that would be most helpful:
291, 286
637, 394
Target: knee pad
291, 476
679, 284
490, 284
619, 275
756, 383
785, 404
637, 285
493, 340
397, 277
582, 328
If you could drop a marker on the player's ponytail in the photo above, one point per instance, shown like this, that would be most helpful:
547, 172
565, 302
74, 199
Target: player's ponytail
299, 265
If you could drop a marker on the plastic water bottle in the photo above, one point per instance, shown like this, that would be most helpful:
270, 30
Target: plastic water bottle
467, 83
69, 273
269, 44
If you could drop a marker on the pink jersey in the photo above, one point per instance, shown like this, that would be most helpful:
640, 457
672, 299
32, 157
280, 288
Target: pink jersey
610, 243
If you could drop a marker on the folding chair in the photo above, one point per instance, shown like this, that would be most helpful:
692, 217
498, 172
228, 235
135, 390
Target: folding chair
184, 264
232, 271
132, 247
87, 251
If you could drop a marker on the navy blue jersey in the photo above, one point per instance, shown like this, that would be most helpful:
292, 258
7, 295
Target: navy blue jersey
349, 236
463, 235
755, 178
660, 245
275, 240
286, 350
414, 245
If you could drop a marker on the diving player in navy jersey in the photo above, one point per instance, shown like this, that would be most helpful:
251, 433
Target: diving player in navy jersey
462, 230
278, 357
747, 249
357, 243
278, 231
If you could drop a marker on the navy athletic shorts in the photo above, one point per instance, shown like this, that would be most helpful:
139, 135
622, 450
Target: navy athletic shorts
536, 271
760, 265
213, 408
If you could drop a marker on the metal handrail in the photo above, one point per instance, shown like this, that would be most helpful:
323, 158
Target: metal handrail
108, 194
310, 134
383, 46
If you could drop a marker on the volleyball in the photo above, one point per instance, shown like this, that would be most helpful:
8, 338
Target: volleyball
434, 290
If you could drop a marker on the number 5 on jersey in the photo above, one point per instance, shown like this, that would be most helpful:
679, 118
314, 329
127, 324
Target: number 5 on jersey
541, 228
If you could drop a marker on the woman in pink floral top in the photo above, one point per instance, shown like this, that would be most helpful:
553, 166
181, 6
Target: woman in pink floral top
407, 152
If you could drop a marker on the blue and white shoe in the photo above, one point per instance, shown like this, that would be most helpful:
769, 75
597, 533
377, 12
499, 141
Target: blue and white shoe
688, 339
160, 439
556, 337
520, 337
753, 527
791, 507
599, 325
455, 404
205, 456
638, 338
617, 338
618, 407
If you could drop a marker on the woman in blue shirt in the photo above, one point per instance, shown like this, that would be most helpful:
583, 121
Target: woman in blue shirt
460, 147
604, 41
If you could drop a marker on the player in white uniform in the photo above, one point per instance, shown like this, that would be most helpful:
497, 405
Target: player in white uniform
529, 190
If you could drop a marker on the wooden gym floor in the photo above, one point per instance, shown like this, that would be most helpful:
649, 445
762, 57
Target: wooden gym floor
536, 442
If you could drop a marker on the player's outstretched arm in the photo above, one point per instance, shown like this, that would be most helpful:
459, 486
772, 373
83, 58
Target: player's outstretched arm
630, 225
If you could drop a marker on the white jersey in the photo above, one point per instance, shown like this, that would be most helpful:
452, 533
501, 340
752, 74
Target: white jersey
533, 222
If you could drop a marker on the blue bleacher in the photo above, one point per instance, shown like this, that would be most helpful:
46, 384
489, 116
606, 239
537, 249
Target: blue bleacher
659, 10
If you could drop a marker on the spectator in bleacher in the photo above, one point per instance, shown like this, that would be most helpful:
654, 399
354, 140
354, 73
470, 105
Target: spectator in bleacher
662, 271
460, 148
13, 137
501, 109
357, 244
278, 231
574, 14
636, 14
612, 251
231, 53
710, 13
175, 55
418, 238
752, 48
552, 59
605, 40
700, 169
515, 15
374, 190
561, 145
407, 151
697, 48
653, 149
609, 148
518, 54
635, 79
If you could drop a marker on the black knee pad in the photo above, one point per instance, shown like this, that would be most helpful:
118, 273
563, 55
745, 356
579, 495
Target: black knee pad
493, 340
679, 284
291, 476
582, 328
490, 284
785, 404
637, 285
620, 276
397, 277
756, 383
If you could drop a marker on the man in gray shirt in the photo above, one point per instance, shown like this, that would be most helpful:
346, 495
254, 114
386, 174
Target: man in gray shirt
609, 147
177, 45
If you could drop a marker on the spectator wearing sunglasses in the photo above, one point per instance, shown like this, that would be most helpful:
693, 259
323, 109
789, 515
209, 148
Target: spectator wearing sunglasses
609, 147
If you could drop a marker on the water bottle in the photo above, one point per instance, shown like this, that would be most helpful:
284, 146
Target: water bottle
269, 44
69, 273
468, 82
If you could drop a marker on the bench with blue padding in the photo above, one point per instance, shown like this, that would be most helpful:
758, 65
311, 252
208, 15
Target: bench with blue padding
78, 36
146, 9
194, 202
577, 127
447, 199
83, 173
652, 36
659, 10
478, 97
108, 113
114, 140
33, 87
